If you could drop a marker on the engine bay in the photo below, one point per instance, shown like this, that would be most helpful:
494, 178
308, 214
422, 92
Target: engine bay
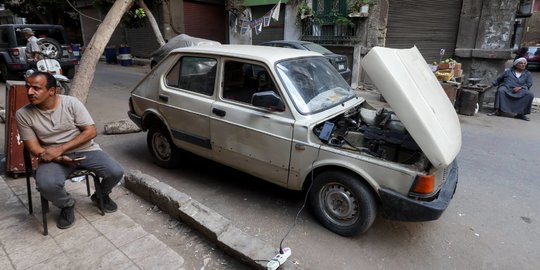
378, 133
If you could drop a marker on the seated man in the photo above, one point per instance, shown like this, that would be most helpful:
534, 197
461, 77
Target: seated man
57, 129
513, 93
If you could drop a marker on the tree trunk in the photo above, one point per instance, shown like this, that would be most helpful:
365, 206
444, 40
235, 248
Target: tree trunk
84, 76
153, 22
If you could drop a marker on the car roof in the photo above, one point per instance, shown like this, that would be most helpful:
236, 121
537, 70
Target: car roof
287, 42
255, 52
33, 25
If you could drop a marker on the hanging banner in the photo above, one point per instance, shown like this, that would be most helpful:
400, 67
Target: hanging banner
245, 24
275, 11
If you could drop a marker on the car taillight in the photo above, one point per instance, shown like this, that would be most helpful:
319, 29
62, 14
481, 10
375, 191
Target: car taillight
14, 51
424, 184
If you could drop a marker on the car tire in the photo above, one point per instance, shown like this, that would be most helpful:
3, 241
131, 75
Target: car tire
162, 149
64, 88
51, 48
5, 74
70, 73
342, 203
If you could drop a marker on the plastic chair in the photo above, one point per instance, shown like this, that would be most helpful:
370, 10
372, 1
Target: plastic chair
44, 202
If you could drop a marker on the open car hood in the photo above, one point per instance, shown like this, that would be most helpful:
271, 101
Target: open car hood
409, 86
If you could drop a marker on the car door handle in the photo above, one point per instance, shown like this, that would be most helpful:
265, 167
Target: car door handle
218, 112
163, 97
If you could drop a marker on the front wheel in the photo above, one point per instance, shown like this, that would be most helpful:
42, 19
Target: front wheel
342, 203
164, 152
64, 88
5, 74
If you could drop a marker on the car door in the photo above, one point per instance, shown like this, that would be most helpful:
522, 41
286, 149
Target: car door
251, 139
186, 99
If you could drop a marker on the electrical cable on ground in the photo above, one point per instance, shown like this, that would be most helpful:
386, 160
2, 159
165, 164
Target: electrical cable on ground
303, 205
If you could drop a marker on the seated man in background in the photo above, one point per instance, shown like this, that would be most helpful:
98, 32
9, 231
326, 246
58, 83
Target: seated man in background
57, 129
513, 93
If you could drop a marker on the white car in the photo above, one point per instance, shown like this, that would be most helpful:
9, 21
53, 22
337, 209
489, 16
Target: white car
288, 117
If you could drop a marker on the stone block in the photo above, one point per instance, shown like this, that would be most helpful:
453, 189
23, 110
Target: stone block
121, 127
204, 219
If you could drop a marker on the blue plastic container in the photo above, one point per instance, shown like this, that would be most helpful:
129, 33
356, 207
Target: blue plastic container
125, 56
110, 55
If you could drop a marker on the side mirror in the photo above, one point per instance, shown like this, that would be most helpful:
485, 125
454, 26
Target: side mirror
268, 100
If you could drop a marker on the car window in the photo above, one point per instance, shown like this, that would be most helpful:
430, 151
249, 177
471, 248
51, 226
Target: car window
196, 74
4, 36
53, 32
241, 80
317, 48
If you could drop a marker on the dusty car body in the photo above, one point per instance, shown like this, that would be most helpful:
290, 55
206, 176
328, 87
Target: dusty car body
180, 41
288, 117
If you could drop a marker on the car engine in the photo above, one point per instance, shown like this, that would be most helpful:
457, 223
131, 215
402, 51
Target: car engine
378, 133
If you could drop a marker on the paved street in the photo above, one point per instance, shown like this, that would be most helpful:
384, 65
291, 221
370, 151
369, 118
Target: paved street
492, 222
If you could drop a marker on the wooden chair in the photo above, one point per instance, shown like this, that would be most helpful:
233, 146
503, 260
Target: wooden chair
44, 202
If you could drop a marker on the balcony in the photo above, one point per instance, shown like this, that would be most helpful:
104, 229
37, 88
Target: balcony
330, 30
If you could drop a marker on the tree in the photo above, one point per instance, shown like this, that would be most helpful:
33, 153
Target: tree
84, 76
42, 11
87, 68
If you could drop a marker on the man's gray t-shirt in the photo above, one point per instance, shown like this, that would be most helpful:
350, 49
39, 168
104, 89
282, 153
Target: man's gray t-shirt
56, 126
32, 47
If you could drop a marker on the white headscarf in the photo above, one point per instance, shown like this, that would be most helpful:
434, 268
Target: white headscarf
517, 61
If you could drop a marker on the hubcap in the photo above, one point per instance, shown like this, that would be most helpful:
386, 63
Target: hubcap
339, 204
49, 49
161, 146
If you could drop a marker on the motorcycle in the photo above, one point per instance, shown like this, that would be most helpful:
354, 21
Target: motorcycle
50, 65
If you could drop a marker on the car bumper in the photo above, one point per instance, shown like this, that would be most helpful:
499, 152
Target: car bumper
533, 65
399, 207
65, 64
136, 119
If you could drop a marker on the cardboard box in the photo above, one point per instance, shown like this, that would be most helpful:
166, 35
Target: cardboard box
451, 91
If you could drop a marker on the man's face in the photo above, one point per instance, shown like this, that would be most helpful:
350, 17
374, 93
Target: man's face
37, 91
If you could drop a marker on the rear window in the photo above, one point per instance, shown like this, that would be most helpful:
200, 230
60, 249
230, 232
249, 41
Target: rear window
533, 50
54, 33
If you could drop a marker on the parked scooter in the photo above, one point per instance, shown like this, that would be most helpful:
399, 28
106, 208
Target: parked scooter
52, 66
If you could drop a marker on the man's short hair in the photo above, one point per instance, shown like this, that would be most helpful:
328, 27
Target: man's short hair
51, 80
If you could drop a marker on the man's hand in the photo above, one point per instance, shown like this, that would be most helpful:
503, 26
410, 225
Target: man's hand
50, 154
516, 89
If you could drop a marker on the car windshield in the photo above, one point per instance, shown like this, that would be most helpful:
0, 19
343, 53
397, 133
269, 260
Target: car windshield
313, 84
316, 48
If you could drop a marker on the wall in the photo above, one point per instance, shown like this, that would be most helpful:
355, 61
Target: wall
484, 37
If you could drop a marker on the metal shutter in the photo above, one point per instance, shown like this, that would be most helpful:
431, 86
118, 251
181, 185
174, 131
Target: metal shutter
205, 20
275, 31
431, 25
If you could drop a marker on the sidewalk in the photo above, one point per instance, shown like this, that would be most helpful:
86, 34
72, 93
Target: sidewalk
113, 241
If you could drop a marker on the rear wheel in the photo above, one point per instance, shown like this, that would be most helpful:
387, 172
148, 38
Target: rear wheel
342, 203
164, 152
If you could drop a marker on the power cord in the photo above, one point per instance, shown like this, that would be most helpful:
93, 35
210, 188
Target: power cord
303, 205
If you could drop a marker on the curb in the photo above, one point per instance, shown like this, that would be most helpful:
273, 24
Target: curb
211, 224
